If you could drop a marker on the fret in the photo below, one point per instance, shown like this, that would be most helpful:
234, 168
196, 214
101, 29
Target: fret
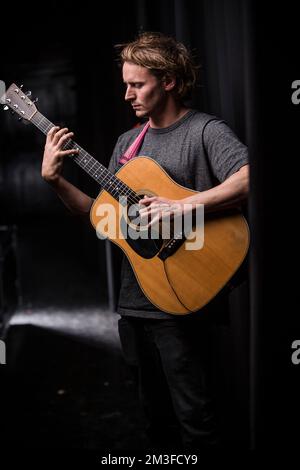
95, 169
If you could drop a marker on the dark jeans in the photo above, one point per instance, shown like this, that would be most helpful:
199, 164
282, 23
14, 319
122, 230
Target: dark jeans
172, 359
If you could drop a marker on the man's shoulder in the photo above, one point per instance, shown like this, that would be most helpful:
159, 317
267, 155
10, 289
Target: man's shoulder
200, 118
197, 124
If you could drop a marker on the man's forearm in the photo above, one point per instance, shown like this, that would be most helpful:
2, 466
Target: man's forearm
228, 194
75, 200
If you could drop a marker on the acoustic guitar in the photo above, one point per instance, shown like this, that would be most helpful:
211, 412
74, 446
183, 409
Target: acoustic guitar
175, 278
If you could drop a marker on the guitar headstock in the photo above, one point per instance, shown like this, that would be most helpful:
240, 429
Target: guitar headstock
19, 102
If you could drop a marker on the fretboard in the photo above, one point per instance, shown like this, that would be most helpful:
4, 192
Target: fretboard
96, 170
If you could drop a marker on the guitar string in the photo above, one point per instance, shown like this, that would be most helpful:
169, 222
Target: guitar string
108, 178
121, 188
117, 188
132, 197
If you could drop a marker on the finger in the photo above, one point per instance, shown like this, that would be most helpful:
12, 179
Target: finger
65, 138
58, 134
162, 205
63, 153
146, 217
51, 133
167, 216
154, 223
154, 206
147, 200
143, 210
144, 202
146, 210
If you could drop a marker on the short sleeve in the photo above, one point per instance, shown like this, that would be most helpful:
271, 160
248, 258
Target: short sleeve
225, 152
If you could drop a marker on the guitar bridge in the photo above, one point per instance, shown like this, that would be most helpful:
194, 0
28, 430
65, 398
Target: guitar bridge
171, 246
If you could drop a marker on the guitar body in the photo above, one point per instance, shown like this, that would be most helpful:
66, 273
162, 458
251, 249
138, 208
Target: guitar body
189, 278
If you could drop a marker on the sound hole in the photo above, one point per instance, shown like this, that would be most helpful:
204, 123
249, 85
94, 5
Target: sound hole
133, 213
134, 222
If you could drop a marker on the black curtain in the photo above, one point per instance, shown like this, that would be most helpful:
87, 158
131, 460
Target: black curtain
272, 136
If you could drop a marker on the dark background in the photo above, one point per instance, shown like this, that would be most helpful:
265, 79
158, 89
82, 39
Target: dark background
64, 385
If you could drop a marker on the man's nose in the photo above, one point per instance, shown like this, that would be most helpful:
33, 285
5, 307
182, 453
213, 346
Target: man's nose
129, 95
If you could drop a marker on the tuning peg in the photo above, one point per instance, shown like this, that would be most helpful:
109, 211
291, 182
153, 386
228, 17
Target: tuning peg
35, 100
5, 108
21, 86
28, 93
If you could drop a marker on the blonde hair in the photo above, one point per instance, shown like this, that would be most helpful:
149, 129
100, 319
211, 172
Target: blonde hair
164, 57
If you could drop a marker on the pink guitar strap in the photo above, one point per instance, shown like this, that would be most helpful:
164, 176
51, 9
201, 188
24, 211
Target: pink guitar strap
134, 147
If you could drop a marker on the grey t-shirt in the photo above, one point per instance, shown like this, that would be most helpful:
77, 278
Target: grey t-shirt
198, 151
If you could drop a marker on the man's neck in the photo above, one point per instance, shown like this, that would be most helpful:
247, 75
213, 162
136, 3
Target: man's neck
168, 116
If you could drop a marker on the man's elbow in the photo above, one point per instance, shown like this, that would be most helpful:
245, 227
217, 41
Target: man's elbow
244, 182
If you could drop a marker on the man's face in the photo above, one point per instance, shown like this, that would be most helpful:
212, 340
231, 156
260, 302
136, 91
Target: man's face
143, 90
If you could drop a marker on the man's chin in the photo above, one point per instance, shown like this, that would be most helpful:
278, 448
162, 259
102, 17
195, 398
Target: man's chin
140, 113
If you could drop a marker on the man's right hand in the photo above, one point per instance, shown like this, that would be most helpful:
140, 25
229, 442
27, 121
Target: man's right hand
53, 153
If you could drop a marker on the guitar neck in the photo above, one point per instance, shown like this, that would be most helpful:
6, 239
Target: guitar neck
89, 164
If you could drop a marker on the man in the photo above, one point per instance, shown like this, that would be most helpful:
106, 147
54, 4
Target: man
197, 151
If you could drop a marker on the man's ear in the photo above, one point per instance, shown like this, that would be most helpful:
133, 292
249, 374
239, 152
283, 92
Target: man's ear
169, 83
